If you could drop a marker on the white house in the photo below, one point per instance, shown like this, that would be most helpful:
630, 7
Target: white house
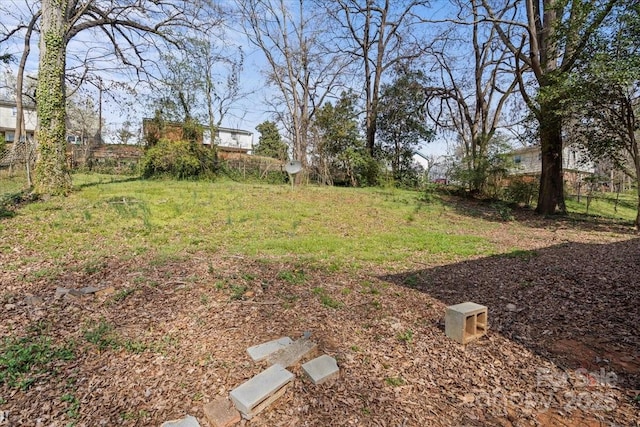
8, 113
575, 162
234, 139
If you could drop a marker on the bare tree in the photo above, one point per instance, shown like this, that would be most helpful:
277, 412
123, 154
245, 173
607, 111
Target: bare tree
379, 35
132, 31
472, 93
220, 71
300, 67
555, 36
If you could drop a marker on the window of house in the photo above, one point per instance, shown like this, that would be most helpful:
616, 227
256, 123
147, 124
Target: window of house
14, 111
9, 136
234, 136
517, 159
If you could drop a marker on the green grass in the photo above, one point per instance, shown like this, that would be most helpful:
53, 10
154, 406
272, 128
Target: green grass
168, 220
406, 336
326, 299
102, 335
11, 183
604, 205
165, 221
394, 381
73, 408
24, 359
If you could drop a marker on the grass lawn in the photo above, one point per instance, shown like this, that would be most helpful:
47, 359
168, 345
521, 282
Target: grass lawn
193, 273
606, 205
337, 227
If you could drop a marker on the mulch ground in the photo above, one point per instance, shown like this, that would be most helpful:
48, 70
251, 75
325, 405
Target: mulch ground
563, 346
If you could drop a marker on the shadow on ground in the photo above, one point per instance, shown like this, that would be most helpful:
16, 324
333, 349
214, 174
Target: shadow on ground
575, 304
497, 211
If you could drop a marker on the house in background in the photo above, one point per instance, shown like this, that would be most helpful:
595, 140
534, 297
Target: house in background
576, 165
8, 115
228, 140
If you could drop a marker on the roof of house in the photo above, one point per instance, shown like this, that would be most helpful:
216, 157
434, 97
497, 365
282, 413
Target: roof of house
233, 130
218, 128
536, 148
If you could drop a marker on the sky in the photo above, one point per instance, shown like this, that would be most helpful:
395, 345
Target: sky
246, 114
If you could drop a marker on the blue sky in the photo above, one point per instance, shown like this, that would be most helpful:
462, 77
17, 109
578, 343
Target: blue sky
247, 114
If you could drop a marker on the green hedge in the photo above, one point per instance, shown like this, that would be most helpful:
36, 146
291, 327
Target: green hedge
178, 159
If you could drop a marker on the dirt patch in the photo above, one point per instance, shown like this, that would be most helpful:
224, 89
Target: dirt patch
591, 354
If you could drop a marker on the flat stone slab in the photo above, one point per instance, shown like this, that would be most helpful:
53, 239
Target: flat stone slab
249, 396
88, 290
188, 421
291, 354
60, 292
221, 413
262, 351
321, 369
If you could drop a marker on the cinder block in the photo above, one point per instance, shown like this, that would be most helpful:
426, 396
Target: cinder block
292, 354
321, 369
221, 413
260, 391
262, 351
465, 322
188, 421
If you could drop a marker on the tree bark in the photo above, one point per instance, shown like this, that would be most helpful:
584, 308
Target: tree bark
551, 195
52, 172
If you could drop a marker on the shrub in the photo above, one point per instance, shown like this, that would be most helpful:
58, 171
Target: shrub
521, 190
368, 171
178, 159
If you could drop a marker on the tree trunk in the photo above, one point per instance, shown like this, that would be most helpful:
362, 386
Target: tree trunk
52, 172
551, 195
636, 162
637, 221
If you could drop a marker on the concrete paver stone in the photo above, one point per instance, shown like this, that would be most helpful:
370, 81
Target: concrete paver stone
321, 369
188, 421
262, 351
249, 396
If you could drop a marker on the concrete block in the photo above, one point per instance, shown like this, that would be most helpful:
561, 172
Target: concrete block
321, 369
221, 413
465, 322
187, 421
262, 351
292, 354
260, 391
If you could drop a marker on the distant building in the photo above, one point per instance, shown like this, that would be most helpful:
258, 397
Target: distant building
231, 139
8, 116
576, 165
227, 139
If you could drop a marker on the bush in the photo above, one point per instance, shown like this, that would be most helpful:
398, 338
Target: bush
368, 171
521, 190
178, 159
428, 194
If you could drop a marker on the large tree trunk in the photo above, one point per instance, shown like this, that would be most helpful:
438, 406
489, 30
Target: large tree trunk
52, 173
637, 221
636, 162
551, 195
